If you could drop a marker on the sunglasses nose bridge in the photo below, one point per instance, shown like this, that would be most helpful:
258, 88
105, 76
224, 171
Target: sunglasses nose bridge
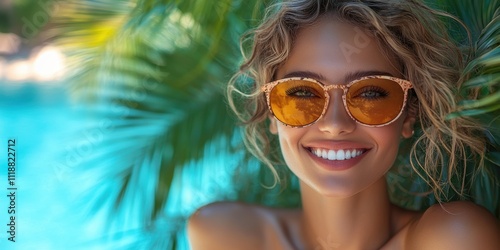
328, 88
335, 118
329, 95
334, 98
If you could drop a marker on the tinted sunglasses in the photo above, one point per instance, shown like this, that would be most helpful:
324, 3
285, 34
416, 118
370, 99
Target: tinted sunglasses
373, 101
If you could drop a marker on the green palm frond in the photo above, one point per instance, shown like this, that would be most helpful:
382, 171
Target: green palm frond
481, 87
482, 18
154, 73
85, 30
482, 74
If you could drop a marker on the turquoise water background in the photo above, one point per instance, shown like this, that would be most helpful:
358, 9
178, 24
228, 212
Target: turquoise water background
53, 207
41, 120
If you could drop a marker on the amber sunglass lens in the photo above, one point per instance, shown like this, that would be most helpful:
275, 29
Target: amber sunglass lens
375, 101
297, 102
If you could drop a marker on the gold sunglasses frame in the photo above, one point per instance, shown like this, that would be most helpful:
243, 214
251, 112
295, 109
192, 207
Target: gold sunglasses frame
404, 84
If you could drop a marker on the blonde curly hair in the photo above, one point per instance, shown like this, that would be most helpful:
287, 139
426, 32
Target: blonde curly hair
443, 149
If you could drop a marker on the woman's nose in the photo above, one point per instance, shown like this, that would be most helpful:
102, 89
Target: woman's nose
336, 120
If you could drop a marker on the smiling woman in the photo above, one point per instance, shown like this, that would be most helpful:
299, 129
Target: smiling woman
342, 83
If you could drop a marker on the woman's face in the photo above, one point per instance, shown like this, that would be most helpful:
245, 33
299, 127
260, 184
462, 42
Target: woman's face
335, 52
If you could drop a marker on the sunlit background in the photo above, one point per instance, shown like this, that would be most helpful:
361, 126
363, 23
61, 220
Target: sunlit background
36, 112
121, 125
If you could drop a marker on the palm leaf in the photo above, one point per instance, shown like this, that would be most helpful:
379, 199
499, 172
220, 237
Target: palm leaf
154, 72
481, 71
482, 18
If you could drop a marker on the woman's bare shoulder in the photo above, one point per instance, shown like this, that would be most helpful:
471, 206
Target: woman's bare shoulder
455, 225
225, 225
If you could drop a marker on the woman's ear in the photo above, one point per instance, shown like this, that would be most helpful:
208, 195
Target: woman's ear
411, 118
408, 125
273, 126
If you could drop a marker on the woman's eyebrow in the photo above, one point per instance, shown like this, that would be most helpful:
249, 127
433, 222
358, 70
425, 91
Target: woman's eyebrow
306, 74
358, 74
347, 78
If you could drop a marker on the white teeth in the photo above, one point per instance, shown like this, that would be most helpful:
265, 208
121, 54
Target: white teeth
348, 155
338, 155
331, 155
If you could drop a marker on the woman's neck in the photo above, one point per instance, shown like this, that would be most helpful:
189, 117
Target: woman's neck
362, 221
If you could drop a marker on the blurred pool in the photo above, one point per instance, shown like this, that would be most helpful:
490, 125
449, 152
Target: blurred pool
41, 120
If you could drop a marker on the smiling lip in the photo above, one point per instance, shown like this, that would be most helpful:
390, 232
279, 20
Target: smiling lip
337, 156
